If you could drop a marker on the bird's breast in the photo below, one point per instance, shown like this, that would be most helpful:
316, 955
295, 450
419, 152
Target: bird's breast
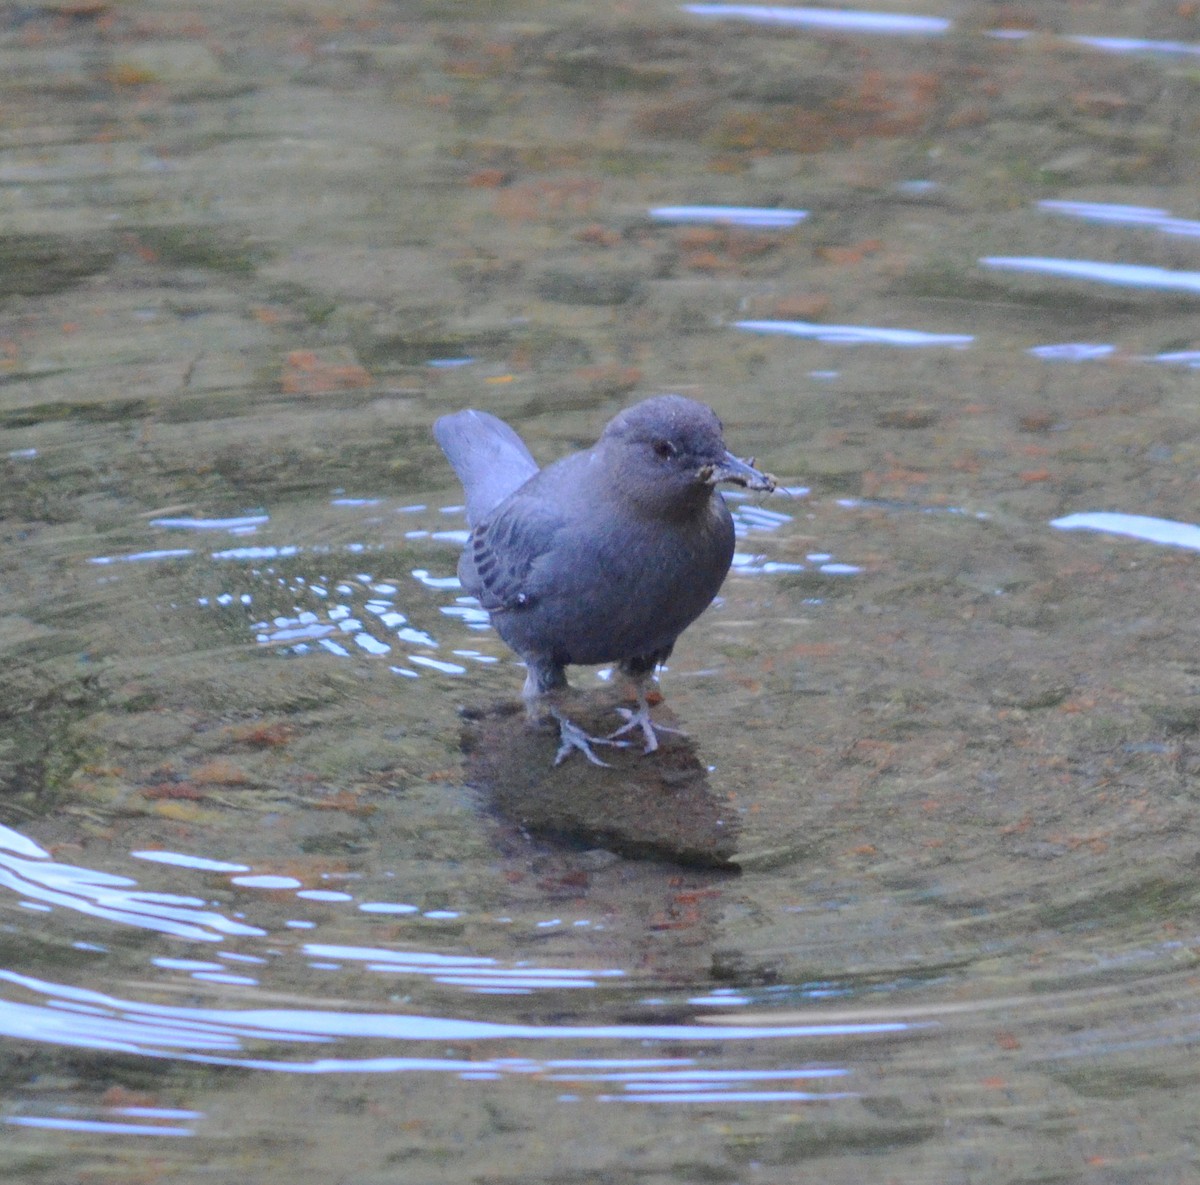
621, 593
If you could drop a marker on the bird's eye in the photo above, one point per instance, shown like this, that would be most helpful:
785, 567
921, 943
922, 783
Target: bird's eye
664, 449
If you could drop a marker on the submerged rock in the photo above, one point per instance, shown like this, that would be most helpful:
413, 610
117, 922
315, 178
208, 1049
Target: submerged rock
657, 805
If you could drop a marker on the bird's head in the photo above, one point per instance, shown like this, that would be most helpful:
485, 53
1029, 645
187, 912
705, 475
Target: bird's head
669, 451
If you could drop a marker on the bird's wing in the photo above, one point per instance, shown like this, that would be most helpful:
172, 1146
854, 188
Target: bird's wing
491, 460
503, 549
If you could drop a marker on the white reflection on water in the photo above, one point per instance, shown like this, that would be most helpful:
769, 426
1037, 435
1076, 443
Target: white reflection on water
680, 1075
266, 881
30, 872
1137, 526
262, 553
226, 977
389, 627
1138, 45
1188, 358
1152, 216
730, 215
858, 335
236, 526
101, 1127
748, 564
36, 1009
377, 627
695, 1092
355, 615
844, 20
14, 841
1073, 351
1127, 275
87, 1019
850, 21
169, 964
690, 1085
203, 863
471, 971
437, 664
430, 581
752, 517
175, 553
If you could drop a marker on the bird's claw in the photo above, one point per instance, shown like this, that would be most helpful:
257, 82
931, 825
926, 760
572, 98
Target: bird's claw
572, 738
640, 719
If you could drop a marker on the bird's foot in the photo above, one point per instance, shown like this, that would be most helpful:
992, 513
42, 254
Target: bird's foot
572, 738
641, 719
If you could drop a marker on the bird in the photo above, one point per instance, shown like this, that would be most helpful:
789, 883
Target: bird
604, 556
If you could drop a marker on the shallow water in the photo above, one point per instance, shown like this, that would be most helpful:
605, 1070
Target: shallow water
264, 917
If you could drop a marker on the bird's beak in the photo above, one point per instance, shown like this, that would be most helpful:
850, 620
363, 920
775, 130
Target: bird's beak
742, 473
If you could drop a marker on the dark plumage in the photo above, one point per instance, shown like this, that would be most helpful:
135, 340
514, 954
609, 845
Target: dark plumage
604, 556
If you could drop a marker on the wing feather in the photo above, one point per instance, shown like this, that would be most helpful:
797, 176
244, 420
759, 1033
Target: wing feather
498, 561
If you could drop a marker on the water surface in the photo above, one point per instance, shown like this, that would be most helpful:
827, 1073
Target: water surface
934, 268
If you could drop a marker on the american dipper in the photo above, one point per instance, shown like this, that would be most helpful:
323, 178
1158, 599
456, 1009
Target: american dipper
604, 556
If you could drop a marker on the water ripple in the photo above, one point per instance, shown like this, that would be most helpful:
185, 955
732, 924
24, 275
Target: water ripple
825, 18
30, 872
730, 216
857, 335
1105, 212
1136, 526
88, 1019
1126, 275
362, 614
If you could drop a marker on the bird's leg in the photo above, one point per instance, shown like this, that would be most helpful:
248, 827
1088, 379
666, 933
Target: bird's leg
641, 717
543, 684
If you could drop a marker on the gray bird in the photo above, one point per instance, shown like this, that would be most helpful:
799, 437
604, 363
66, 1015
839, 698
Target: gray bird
604, 556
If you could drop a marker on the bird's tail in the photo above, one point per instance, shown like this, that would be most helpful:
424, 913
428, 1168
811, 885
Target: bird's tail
491, 460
